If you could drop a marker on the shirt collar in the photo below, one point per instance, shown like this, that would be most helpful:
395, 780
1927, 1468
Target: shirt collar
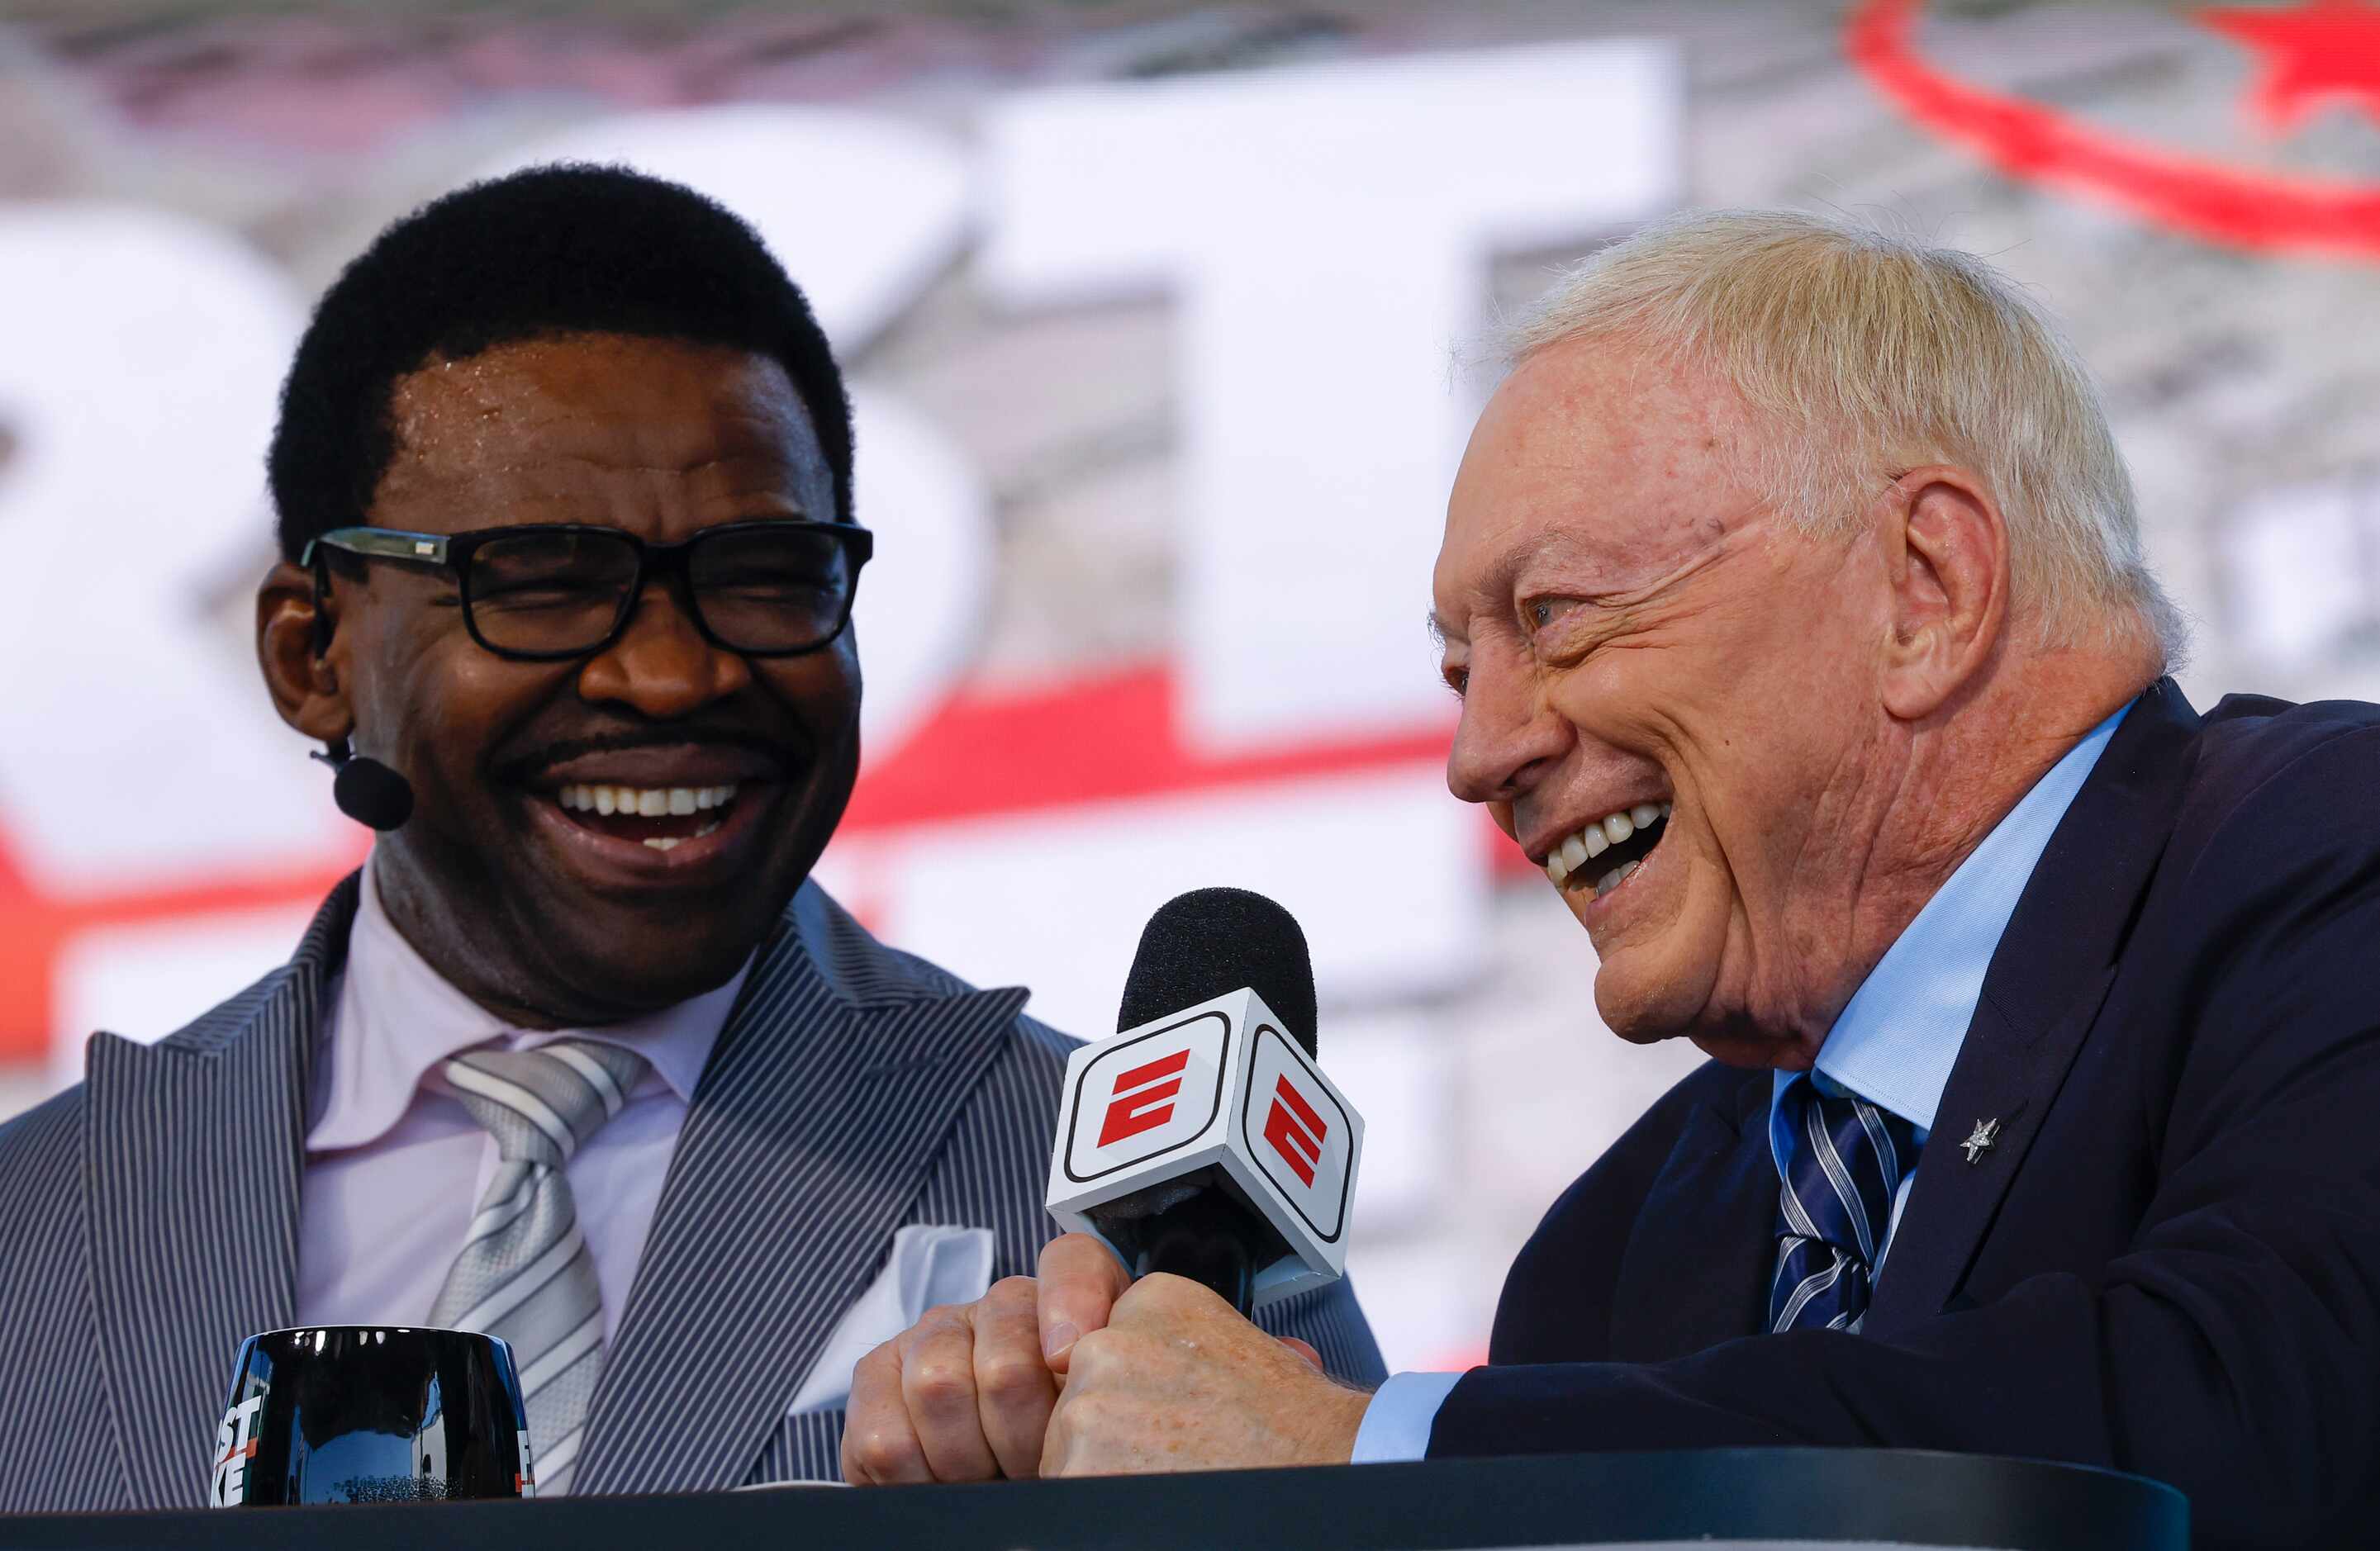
1896, 1040
395, 1019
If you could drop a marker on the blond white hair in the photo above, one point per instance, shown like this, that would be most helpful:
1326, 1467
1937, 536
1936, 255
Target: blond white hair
1867, 353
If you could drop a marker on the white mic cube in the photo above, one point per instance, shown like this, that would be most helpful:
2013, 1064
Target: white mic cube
1217, 1085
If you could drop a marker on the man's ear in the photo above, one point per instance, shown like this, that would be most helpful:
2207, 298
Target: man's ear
305, 681
1947, 559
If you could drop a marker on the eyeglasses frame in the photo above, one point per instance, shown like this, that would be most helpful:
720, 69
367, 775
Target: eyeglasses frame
452, 552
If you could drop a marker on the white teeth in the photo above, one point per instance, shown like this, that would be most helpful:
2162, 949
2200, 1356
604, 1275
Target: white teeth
663, 843
1570, 857
645, 802
1614, 879
1666, 808
706, 829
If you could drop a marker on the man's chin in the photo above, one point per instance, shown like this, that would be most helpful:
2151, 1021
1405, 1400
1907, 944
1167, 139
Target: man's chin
1655, 1007
1646, 992
607, 953
586, 985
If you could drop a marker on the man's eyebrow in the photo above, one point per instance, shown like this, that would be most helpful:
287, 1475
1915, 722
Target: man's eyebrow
1437, 632
1599, 575
1553, 546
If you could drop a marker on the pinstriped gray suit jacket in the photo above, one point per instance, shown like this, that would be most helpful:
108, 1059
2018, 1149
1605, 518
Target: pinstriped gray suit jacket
149, 1217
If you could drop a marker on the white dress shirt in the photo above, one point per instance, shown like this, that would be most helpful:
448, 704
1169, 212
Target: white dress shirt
1893, 1044
395, 1164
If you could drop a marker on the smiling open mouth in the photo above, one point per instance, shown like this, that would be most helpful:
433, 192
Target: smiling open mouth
1605, 853
661, 817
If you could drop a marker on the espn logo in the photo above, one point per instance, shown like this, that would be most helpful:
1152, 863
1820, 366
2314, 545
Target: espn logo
1221, 1093
1144, 1099
1296, 1132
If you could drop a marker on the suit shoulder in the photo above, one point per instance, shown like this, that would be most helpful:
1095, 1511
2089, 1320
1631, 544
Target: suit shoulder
41, 1165
2267, 902
43, 1136
220, 1024
2258, 752
871, 970
866, 968
321, 953
2297, 778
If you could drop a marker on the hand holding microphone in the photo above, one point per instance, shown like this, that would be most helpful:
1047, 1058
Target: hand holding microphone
1202, 1144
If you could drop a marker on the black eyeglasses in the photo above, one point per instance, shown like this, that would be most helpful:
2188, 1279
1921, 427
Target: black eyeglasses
541, 592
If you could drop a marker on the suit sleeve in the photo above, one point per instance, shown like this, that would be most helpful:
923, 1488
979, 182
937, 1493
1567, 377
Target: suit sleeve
1329, 1319
2232, 1348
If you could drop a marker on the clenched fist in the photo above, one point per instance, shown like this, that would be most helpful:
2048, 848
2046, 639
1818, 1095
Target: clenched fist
1059, 1374
1178, 1381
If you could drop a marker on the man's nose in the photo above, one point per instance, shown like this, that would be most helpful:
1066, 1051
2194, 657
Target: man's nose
662, 666
1508, 737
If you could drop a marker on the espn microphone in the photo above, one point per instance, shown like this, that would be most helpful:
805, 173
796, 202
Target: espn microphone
1203, 1140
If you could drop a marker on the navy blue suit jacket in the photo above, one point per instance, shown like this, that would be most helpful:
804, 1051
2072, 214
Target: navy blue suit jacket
2169, 1263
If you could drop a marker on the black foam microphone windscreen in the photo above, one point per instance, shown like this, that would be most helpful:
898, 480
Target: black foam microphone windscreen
371, 793
1209, 942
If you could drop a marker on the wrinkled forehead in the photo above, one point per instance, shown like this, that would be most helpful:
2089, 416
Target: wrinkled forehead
530, 427
1595, 468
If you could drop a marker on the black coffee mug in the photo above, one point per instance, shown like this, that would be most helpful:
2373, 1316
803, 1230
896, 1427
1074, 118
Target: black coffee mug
367, 1413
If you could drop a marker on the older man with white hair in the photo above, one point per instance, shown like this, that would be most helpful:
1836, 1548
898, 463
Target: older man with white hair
1793, 588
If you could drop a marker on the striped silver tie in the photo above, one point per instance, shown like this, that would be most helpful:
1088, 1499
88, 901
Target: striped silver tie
524, 1272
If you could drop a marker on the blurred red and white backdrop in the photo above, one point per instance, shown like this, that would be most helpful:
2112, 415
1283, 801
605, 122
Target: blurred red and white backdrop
1153, 317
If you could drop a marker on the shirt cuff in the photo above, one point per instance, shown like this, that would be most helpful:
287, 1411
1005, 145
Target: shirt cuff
1397, 1423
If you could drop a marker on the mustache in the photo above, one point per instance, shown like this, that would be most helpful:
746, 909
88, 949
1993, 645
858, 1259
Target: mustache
784, 755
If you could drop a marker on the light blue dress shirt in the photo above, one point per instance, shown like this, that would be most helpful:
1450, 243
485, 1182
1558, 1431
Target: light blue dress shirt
1893, 1044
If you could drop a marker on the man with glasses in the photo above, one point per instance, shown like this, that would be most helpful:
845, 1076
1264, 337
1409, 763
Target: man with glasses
579, 1058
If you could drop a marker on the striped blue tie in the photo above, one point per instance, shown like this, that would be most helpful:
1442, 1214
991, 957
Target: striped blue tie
1841, 1159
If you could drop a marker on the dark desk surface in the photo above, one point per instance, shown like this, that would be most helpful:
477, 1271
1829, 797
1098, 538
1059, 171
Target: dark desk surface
1734, 1494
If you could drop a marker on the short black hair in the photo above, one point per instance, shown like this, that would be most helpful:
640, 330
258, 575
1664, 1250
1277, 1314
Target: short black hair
556, 250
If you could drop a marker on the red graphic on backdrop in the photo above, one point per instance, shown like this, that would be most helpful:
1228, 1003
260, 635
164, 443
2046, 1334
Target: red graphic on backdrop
2319, 54
1114, 737
2236, 206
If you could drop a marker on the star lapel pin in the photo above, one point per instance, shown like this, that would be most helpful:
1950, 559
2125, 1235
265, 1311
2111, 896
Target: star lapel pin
1979, 1141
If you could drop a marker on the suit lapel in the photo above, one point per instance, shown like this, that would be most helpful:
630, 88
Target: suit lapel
827, 1098
2049, 978
1695, 1272
192, 1153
